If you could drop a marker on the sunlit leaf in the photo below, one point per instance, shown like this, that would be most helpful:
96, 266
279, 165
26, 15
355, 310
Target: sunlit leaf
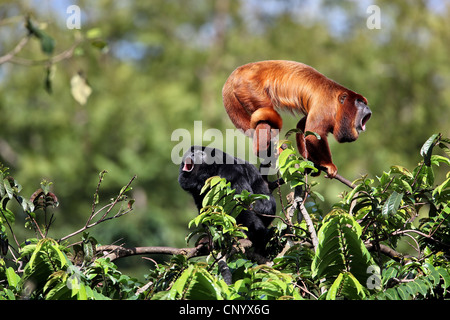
427, 149
392, 204
80, 89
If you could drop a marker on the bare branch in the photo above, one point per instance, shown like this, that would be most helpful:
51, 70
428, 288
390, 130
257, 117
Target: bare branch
397, 256
10, 55
115, 252
344, 181
105, 215
299, 197
66, 54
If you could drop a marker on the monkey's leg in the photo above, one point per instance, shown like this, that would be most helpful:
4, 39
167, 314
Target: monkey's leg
319, 153
300, 138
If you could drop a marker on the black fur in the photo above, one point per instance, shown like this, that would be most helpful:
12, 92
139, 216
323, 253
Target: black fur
201, 163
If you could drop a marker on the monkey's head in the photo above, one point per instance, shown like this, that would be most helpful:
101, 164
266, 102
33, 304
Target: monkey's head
199, 156
198, 164
352, 115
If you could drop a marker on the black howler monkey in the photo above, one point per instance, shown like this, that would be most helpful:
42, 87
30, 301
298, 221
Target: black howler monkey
201, 163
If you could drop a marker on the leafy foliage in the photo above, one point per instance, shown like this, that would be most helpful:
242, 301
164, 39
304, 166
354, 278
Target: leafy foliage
218, 215
341, 256
358, 253
153, 66
86, 112
46, 268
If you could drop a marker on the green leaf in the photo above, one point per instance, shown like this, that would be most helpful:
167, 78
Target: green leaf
310, 133
88, 250
437, 159
340, 249
427, 149
319, 196
391, 294
443, 186
283, 157
8, 188
346, 285
2, 188
203, 286
12, 277
47, 42
406, 186
392, 204
432, 273
445, 276
402, 170
444, 147
292, 131
93, 33
179, 285
8, 214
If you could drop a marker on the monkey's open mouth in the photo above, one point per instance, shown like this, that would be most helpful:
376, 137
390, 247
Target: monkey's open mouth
188, 165
362, 124
364, 121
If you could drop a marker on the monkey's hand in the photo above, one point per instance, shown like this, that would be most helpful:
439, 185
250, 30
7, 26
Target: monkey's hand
331, 170
261, 139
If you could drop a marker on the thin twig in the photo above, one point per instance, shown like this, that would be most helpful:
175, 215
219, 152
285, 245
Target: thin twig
345, 181
10, 55
66, 54
118, 197
96, 196
104, 217
299, 197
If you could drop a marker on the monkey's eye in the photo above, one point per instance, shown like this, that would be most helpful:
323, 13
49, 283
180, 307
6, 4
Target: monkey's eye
342, 98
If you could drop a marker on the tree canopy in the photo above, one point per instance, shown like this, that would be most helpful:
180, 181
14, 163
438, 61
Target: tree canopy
105, 90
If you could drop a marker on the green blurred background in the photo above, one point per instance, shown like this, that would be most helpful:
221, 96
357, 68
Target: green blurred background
156, 66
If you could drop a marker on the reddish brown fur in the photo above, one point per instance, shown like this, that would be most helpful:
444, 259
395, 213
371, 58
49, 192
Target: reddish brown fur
254, 92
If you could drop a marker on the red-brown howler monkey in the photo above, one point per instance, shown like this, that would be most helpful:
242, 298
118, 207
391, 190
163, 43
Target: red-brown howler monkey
254, 92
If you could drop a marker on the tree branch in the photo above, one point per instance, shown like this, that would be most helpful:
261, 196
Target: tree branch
345, 181
397, 256
104, 217
298, 203
66, 54
116, 252
10, 55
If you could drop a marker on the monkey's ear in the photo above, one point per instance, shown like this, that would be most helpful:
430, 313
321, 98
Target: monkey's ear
342, 97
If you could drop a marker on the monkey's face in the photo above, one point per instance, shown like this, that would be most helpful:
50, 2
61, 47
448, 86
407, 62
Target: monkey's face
192, 169
351, 116
199, 157
363, 115
200, 163
192, 160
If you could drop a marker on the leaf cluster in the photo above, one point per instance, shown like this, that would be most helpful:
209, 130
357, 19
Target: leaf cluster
388, 238
361, 243
45, 268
